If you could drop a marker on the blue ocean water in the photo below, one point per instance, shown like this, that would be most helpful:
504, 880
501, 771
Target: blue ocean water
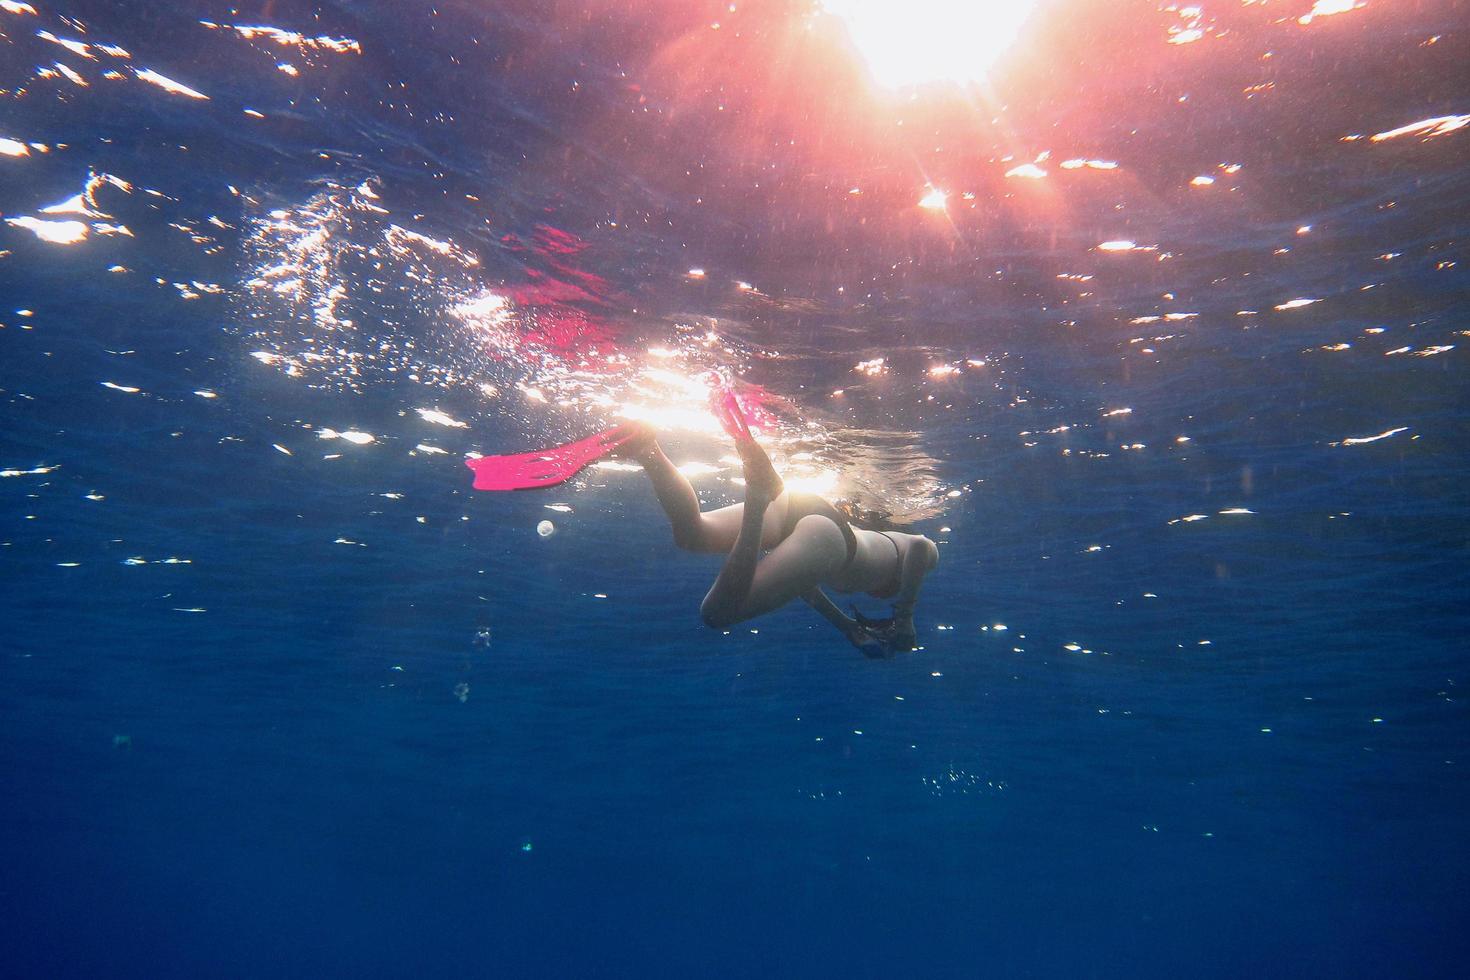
1168, 360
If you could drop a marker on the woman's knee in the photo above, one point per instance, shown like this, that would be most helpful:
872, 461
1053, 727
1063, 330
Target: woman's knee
688, 538
715, 617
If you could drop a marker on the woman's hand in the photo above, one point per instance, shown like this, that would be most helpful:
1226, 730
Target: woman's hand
901, 635
871, 636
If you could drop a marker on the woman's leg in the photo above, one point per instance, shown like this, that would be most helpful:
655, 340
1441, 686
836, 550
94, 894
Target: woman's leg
711, 532
677, 498
749, 586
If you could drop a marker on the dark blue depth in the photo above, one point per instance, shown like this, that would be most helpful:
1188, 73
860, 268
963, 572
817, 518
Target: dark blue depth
1226, 746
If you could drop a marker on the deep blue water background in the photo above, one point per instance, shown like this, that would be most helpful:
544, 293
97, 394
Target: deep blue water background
292, 781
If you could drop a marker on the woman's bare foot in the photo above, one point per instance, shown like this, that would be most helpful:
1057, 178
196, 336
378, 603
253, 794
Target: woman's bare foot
642, 440
762, 482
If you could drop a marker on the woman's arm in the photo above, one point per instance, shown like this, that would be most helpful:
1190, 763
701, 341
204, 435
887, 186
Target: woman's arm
869, 644
922, 557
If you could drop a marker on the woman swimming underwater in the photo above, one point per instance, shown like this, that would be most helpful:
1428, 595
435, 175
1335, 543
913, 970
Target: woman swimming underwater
811, 544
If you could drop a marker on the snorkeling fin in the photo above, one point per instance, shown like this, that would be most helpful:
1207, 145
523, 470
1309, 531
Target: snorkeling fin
546, 467
726, 408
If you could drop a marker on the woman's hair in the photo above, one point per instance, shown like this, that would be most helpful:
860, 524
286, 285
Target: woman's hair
870, 520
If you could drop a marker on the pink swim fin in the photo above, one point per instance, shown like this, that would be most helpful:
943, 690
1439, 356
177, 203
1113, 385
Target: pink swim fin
546, 467
726, 408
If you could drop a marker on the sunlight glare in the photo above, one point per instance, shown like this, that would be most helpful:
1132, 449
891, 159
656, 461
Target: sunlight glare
930, 40
934, 200
822, 482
